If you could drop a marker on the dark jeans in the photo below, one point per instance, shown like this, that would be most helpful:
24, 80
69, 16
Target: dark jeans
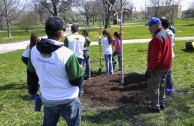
32, 82
169, 83
71, 112
87, 62
119, 58
81, 86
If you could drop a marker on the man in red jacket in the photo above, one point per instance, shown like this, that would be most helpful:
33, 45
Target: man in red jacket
159, 60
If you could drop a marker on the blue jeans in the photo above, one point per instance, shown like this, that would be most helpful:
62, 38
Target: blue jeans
119, 58
169, 83
109, 65
81, 86
71, 112
87, 62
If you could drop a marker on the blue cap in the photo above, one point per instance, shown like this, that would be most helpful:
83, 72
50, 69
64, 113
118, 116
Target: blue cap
154, 20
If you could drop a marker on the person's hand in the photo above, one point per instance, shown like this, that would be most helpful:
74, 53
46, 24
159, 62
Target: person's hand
147, 75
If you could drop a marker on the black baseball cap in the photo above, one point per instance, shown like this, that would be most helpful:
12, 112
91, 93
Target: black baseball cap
54, 23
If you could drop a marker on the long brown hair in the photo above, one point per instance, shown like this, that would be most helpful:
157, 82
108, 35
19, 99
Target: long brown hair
33, 40
105, 32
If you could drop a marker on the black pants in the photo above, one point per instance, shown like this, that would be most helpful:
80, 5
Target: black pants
32, 82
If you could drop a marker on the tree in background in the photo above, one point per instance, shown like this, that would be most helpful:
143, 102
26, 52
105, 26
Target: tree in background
1, 15
127, 7
11, 12
85, 8
108, 7
189, 13
168, 8
55, 7
39, 9
28, 19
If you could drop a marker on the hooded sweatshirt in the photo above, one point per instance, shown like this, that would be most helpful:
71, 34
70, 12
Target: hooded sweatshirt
58, 71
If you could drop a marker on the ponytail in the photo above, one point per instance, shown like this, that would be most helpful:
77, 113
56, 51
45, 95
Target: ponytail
108, 36
33, 40
117, 35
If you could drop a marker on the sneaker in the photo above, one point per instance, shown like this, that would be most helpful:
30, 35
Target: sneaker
153, 108
170, 90
162, 106
38, 103
80, 93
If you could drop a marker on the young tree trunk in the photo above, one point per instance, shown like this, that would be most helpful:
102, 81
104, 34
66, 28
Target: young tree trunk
8, 30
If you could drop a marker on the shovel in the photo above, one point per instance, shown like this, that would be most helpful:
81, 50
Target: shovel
100, 68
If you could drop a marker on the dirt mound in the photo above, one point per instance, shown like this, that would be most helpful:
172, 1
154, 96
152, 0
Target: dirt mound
106, 90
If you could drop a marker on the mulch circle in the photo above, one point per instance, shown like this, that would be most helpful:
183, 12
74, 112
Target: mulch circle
106, 90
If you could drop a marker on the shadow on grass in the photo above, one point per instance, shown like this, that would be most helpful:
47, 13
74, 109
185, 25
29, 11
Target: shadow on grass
121, 114
132, 81
188, 51
12, 86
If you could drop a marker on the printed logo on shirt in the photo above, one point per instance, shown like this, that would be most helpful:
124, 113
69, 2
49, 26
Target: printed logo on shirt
45, 61
76, 39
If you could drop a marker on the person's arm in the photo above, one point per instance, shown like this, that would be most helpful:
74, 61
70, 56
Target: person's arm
155, 54
74, 71
66, 42
32, 76
88, 41
26, 54
25, 59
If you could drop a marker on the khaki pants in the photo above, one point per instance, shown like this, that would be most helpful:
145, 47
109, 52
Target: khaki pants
156, 86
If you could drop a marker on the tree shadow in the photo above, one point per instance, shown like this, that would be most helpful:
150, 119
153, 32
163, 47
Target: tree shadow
132, 81
122, 113
142, 50
12, 86
188, 51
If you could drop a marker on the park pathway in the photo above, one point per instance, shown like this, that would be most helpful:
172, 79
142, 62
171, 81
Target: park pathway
9, 47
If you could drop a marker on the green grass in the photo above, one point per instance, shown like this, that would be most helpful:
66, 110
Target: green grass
17, 109
132, 29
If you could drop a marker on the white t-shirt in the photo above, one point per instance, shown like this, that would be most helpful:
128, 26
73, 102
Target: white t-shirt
76, 44
172, 38
55, 85
107, 46
26, 52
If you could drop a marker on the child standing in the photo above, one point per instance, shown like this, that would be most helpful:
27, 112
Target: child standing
117, 45
87, 55
33, 86
107, 42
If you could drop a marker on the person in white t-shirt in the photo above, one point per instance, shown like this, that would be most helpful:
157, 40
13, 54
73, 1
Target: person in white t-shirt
77, 43
59, 75
32, 86
169, 87
107, 47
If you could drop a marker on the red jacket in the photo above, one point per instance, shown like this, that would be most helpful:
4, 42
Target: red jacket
160, 51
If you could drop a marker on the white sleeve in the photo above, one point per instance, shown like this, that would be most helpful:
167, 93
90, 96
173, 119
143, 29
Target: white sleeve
26, 52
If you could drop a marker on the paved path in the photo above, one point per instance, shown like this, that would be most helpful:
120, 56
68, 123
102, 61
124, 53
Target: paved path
9, 47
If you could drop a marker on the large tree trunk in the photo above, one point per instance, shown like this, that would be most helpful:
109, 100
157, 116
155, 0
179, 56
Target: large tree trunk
107, 21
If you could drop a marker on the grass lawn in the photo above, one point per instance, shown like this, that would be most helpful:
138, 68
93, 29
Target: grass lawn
17, 110
132, 29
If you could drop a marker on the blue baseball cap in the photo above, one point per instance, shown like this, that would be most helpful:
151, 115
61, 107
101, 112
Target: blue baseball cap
154, 20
